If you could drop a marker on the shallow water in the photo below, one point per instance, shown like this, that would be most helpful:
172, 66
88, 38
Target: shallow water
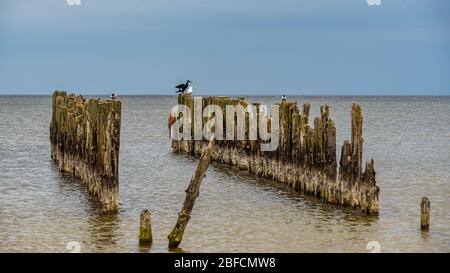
41, 210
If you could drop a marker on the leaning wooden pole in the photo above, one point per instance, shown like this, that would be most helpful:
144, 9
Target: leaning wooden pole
192, 193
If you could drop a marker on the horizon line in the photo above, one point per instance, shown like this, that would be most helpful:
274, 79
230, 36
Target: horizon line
237, 95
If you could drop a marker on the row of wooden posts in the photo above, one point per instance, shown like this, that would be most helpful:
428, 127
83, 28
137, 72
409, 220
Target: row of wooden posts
85, 141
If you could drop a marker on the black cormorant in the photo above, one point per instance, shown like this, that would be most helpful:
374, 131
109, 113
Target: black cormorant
182, 87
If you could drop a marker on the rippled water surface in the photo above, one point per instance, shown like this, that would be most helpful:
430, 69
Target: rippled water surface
41, 210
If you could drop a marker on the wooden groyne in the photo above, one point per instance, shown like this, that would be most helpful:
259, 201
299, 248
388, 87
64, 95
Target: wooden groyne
85, 141
305, 158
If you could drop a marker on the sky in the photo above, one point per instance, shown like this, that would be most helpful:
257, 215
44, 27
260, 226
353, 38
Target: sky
236, 47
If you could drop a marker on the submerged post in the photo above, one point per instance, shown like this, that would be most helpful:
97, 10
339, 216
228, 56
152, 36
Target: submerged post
425, 214
145, 228
192, 193
85, 140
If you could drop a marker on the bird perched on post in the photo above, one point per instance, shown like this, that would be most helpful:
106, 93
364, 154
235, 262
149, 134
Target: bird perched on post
283, 98
113, 96
183, 87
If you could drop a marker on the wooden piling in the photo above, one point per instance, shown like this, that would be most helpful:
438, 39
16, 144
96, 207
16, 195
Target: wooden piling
85, 141
306, 156
192, 193
145, 228
425, 214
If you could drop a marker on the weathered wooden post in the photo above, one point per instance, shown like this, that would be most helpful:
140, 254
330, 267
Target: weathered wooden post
145, 228
425, 214
192, 193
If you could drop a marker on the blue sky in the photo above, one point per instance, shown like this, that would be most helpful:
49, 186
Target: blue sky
337, 47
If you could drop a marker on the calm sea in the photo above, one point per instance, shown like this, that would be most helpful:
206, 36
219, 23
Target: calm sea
42, 211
